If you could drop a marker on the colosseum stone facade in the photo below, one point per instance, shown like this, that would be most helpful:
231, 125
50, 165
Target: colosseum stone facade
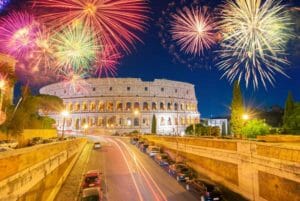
126, 104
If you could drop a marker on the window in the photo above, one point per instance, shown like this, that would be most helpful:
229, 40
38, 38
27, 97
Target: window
153, 106
136, 122
175, 90
162, 121
94, 89
128, 88
162, 106
169, 106
162, 89
110, 88
128, 106
146, 88
145, 106
65, 91
176, 106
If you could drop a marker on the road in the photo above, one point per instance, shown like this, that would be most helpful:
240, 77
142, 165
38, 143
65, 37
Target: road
129, 174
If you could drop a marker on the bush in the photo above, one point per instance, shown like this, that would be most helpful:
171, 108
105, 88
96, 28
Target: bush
201, 130
254, 128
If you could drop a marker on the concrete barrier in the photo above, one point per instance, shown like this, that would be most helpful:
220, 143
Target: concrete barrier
256, 170
42, 167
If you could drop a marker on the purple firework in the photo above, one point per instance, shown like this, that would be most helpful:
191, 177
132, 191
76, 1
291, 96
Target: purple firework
17, 33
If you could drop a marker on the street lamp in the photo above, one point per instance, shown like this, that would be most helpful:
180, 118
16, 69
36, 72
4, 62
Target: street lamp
85, 127
136, 113
64, 114
2, 88
246, 117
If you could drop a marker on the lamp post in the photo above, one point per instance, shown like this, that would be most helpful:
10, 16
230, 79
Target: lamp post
85, 127
64, 114
2, 88
136, 113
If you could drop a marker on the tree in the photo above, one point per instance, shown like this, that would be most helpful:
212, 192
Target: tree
153, 126
288, 111
237, 110
26, 114
254, 128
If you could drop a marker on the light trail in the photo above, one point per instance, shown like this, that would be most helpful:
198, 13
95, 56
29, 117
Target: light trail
141, 166
127, 164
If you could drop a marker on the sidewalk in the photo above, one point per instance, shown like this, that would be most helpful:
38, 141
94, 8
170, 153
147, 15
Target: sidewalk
70, 189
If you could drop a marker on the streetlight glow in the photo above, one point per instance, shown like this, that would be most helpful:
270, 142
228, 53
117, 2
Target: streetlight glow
86, 126
136, 112
245, 117
2, 84
65, 113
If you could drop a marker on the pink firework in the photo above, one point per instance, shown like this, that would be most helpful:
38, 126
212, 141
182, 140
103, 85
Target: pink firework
115, 21
17, 33
74, 81
106, 62
194, 30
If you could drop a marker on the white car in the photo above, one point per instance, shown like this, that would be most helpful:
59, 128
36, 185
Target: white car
97, 145
9, 143
153, 151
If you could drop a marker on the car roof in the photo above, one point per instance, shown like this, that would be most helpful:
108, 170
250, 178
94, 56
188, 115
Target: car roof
92, 172
90, 191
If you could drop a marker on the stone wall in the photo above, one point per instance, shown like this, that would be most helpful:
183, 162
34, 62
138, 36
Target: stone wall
37, 171
256, 170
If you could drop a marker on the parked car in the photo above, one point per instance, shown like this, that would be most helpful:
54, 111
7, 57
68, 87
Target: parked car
11, 143
206, 190
4, 149
153, 151
97, 145
91, 179
162, 159
144, 147
91, 194
134, 140
139, 143
180, 171
35, 141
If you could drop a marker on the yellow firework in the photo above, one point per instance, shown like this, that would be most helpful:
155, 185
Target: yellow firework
255, 35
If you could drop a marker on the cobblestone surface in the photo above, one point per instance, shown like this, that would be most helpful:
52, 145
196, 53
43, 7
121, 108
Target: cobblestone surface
70, 189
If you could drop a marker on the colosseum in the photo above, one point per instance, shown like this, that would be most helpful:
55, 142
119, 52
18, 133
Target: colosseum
122, 105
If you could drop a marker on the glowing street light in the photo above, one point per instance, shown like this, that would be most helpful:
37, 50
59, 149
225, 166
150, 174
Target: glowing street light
85, 127
64, 114
2, 88
246, 117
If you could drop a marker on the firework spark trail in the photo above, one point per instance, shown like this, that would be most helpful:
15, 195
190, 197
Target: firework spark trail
115, 21
255, 35
17, 33
106, 62
75, 47
194, 30
74, 80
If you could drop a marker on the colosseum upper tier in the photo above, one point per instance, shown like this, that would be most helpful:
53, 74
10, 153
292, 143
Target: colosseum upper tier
122, 105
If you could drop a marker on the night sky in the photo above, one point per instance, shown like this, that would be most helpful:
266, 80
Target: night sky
151, 61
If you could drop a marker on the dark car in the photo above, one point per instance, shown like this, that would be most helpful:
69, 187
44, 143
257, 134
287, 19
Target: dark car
139, 143
35, 141
91, 194
134, 140
180, 171
144, 147
205, 190
162, 159
91, 179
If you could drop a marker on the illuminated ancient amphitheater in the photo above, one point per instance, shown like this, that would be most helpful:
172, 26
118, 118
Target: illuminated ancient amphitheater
125, 104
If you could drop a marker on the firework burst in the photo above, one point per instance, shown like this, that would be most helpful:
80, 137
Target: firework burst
193, 29
255, 34
17, 33
75, 47
74, 80
106, 63
115, 21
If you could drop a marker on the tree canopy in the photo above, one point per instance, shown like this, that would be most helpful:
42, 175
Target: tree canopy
237, 110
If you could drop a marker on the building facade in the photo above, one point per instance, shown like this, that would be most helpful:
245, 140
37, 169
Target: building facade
222, 123
122, 105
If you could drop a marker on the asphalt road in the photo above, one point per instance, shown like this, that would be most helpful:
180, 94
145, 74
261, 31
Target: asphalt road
130, 175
